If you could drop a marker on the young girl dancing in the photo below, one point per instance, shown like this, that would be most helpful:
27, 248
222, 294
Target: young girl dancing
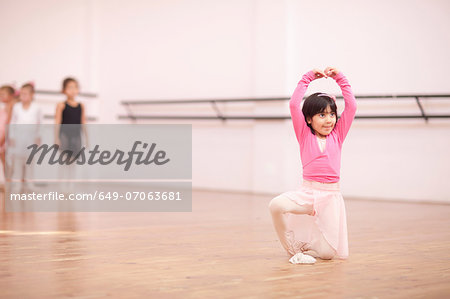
311, 222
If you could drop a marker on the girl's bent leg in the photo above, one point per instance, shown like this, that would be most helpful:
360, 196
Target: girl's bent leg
321, 249
278, 207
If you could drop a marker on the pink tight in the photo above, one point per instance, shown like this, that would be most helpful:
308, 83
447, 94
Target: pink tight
281, 205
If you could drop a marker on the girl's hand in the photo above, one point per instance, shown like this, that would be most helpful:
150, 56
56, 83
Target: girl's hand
319, 74
331, 72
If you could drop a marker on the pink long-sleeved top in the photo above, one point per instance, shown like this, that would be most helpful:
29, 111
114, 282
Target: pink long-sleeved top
322, 166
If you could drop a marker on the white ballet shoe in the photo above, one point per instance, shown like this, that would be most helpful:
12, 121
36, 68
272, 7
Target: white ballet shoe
301, 258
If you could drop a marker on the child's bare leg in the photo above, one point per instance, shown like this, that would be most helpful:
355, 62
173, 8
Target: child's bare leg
3, 160
278, 207
320, 249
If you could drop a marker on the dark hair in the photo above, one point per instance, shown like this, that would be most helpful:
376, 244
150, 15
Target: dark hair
28, 85
67, 81
317, 103
9, 89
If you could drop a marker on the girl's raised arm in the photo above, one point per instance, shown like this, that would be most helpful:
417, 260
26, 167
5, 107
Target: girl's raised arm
298, 119
58, 120
347, 116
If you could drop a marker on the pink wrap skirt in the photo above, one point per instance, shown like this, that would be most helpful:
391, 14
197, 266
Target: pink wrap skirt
329, 224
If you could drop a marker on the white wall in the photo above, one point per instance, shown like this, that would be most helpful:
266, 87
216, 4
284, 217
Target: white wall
397, 160
385, 46
46, 41
226, 49
175, 49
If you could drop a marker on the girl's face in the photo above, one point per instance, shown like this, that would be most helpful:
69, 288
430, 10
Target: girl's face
323, 122
26, 95
71, 89
3, 95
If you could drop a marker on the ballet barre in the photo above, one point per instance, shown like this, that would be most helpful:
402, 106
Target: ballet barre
54, 92
220, 115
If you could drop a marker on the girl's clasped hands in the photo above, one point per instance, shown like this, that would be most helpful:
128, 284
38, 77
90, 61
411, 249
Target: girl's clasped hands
328, 72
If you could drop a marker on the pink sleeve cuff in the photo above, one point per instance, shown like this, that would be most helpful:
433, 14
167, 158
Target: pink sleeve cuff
340, 75
309, 76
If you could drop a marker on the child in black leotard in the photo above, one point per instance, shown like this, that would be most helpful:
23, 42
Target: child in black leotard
69, 120
70, 115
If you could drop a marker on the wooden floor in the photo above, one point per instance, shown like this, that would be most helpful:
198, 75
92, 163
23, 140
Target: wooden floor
225, 248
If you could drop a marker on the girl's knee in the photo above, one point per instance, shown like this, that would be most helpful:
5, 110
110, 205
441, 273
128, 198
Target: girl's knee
275, 205
328, 255
272, 205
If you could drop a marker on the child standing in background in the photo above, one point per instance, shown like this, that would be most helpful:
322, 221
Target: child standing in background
69, 121
316, 224
7, 100
69, 112
25, 121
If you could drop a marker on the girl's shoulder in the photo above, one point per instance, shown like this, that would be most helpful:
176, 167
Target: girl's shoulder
307, 136
17, 107
34, 106
11, 104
